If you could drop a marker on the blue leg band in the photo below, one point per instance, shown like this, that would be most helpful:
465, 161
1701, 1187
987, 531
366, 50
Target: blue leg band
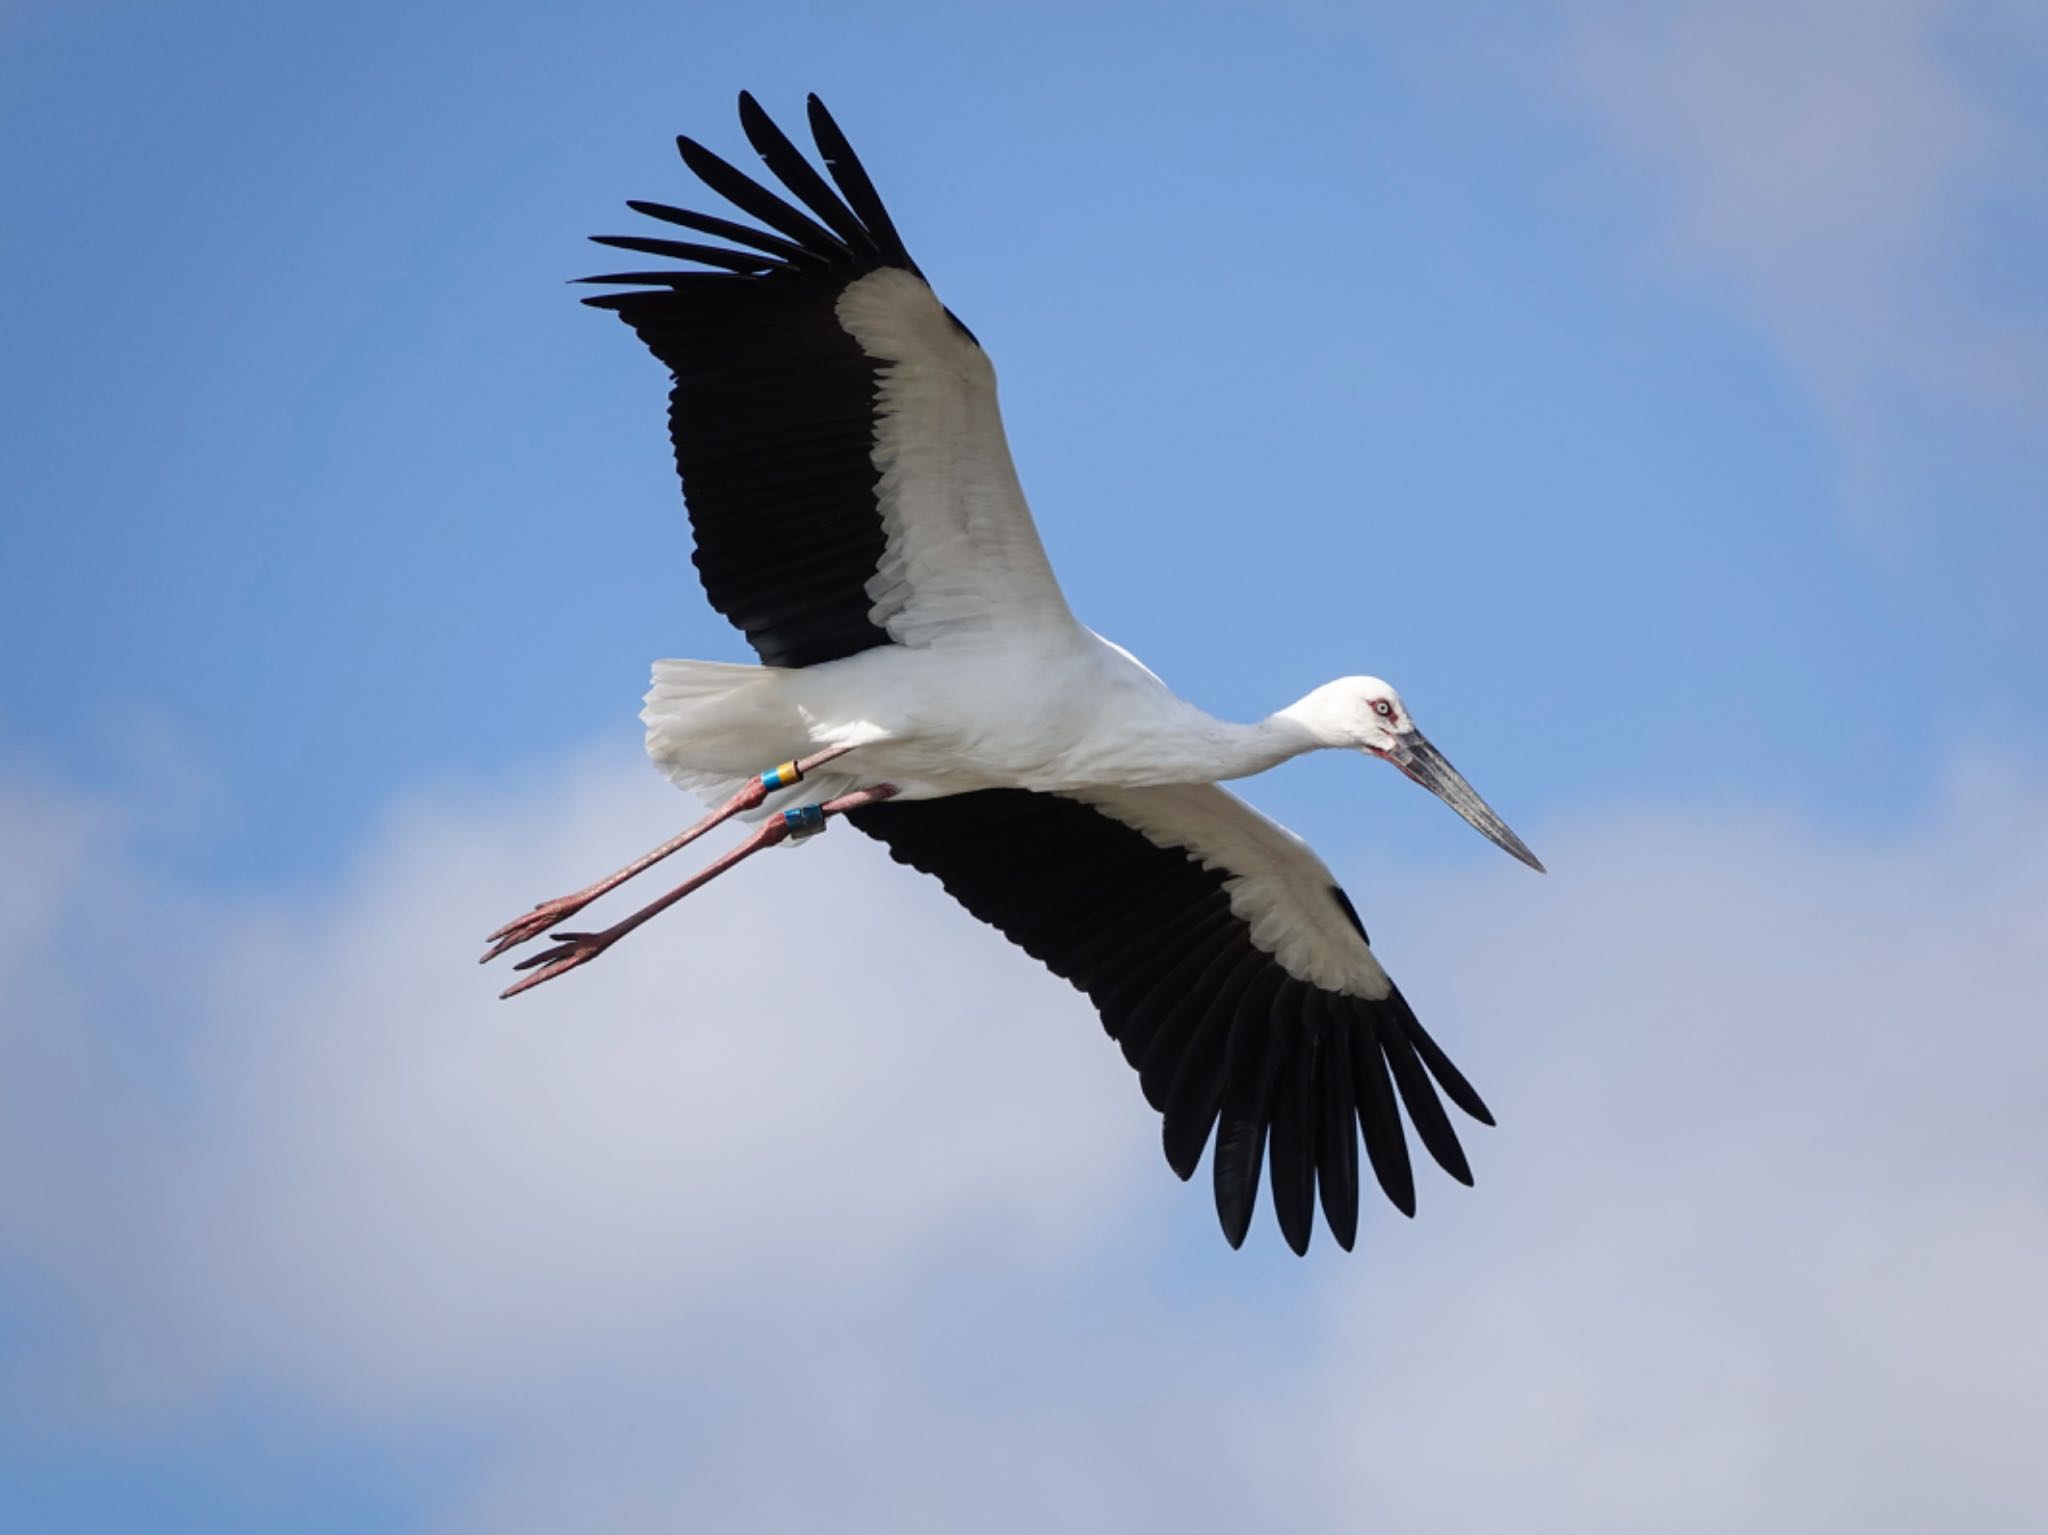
804, 820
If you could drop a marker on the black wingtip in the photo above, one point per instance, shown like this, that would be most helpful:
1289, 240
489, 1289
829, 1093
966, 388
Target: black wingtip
1297, 1220
1239, 1160
1402, 1195
704, 163
696, 157
800, 178
1438, 1064
1425, 1111
856, 186
1337, 1132
752, 198
1234, 1214
748, 263
1379, 1115
1291, 1145
752, 115
642, 279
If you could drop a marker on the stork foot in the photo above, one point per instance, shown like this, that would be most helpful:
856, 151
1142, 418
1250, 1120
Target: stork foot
526, 928
529, 927
573, 949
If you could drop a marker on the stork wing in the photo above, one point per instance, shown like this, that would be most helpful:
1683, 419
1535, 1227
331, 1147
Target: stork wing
1230, 967
835, 426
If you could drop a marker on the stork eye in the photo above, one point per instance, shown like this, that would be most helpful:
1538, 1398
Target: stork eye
1383, 709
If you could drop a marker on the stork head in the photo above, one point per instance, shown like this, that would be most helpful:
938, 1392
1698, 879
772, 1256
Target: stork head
1367, 714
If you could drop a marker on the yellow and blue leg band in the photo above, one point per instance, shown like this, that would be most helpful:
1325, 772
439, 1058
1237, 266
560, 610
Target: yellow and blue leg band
804, 820
781, 777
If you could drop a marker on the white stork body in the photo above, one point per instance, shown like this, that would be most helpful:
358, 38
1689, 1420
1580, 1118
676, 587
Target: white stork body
1095, 727
857, 515
1055, 712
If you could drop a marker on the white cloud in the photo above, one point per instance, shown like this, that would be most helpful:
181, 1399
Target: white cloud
1814, 146
385, 1181
1840, 167
760, 1224
1771, 1225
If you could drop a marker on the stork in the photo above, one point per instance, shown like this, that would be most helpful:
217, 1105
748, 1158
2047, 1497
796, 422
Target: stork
857, 516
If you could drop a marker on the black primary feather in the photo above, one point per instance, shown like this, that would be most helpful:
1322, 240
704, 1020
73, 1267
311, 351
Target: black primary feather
795, 172
749, 196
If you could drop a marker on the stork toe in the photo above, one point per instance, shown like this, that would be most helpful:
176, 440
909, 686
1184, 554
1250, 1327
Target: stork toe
524, 929
572, 950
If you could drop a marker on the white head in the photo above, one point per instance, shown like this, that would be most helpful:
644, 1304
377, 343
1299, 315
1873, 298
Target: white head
1362, 713
1367, 715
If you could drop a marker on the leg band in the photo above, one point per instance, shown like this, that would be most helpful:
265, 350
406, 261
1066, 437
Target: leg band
781, 777
804, 820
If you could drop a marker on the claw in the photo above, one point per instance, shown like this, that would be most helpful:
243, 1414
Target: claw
525, 929
574, 949
564, 943
529, 927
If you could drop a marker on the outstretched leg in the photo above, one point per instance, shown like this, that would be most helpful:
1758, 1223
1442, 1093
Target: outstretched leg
544, 916
575, 949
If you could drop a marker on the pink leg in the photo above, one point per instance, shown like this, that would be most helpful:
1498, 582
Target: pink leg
544, 916
575, 949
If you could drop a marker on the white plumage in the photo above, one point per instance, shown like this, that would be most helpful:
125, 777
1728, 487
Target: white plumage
858, 516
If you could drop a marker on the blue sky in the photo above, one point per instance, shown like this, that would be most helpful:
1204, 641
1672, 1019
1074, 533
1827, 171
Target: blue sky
1656, 395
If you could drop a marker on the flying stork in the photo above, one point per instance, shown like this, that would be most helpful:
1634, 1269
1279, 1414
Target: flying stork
857, 516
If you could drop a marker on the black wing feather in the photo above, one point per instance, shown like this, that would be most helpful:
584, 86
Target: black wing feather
1241, 1132
1425, 1109
1378, 1117
795, 172
852, 178
1337, 1134
1448, 1077
724, 229
749, 196
1196, 1096
1180, 1014
683, 250
1177, 984
1293, 1148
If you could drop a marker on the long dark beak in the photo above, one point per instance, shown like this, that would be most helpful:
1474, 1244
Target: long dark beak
1422, 762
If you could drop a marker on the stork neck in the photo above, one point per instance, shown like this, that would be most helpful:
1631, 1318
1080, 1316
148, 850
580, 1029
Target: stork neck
1248, 749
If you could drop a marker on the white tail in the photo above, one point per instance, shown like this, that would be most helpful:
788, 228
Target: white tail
712, 725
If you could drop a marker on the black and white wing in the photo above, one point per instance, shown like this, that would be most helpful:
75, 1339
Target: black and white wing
1230, 967
835, 426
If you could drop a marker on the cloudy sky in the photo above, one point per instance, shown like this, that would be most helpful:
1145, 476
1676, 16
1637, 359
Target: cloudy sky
1657, 394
